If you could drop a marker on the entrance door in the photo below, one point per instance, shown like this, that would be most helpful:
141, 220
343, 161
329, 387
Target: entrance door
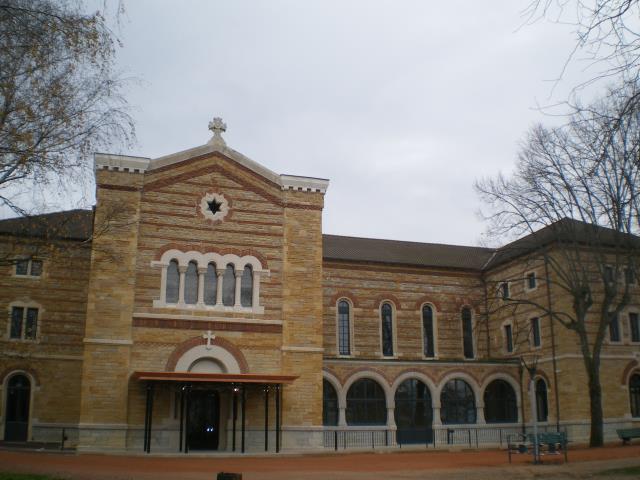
204, 420
17, 419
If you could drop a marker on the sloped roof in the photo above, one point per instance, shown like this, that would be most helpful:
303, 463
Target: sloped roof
69, 225
406, 253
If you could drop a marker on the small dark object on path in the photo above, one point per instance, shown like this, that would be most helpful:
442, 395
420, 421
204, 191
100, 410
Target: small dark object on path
229, 476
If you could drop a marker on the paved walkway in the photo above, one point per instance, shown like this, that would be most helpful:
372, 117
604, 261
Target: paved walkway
439, 464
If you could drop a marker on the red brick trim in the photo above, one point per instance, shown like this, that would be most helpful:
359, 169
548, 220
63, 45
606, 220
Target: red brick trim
344, 294
187, 247
120, 188
626, 374
387, 296
177, 324
428, 299
187, 345
17, 368
347, 376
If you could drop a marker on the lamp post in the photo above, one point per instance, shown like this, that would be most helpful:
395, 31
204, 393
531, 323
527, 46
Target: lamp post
531, 367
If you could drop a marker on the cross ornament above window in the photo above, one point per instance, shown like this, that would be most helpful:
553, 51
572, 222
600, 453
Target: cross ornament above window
208, 337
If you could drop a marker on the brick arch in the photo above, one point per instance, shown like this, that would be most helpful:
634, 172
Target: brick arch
18, 369
346, 377
187, 345
344, 294
626, 373
413, 370
197, 247
457, 372
500, 372
428, 299
544, 376
387, 296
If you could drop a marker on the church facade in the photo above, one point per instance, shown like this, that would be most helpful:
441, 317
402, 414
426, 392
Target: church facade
200, 306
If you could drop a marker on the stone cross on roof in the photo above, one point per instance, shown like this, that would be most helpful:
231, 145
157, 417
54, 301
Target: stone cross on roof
217, 126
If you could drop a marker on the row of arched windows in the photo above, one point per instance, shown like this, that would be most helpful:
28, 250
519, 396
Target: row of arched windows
366, 403
387, 329
211, 276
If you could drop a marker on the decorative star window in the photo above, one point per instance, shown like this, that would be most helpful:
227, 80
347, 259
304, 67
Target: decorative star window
214, 206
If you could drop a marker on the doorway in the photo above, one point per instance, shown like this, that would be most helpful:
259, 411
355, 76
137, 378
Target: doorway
16, 427
203, 420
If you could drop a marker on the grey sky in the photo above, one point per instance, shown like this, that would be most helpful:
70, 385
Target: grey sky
401, 104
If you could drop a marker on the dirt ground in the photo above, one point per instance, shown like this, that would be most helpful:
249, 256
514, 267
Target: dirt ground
428, 464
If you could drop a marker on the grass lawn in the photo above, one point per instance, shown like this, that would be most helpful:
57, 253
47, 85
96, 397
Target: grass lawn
26, 476
635, 471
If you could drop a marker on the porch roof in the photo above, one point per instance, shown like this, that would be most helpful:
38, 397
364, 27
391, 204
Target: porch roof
214, 377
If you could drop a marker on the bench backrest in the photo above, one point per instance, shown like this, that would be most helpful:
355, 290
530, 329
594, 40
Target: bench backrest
633, 432
548, 437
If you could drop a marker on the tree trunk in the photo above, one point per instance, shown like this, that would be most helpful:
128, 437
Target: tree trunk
595, 399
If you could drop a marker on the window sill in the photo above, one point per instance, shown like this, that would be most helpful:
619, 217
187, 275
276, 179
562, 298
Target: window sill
208, 308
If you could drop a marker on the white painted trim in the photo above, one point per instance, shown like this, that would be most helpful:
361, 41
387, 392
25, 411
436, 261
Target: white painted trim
302, 349
42, 356
108, 341
213, 352
304, 184
203, 318
107, 161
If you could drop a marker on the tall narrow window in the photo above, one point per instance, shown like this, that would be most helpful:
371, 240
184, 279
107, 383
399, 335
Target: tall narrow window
173, 282
17, 313
191, 284
531, 280
229, 286
629, 276
535, 332
508, 336
467, 333
614, 329
428, 343
387, 330
344, 328
542, 407
246, 287
31, 324
504, 290
210, 285
609, 274
634, 327
329, 404
634, 395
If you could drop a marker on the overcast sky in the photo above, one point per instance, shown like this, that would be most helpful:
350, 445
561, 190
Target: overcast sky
401, 104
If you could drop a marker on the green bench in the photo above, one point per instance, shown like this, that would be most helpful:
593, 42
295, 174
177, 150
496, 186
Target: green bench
549, 443
627, 434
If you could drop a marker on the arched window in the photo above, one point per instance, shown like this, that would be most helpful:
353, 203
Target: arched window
413, 412
387, 329
344, 328
329, 404
17, 409
467, 332
634, 395
428, 341
173, 282
457, 403
542, 406
366, 403
229, 286
191, 284
500, 405
246, 287
210, 285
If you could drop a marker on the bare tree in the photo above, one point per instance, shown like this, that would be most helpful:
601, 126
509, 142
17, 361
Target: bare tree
60, 98
607, 34
575, 189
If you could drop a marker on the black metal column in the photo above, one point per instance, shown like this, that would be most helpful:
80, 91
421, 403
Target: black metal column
235, 418
150, 396
146, 419
186, 430
277, 418
243, 402
181, 416
266, 418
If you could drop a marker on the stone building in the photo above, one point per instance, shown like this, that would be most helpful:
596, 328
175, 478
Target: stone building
200, 306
